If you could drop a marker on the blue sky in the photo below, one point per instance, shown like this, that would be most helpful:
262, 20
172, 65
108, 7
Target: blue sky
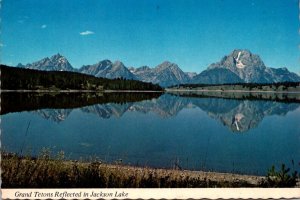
191, 33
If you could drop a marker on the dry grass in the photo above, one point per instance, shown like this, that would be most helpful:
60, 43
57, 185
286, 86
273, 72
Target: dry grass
46, 172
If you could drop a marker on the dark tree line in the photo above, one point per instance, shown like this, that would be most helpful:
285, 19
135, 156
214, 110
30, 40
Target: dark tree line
244, 85
13, 78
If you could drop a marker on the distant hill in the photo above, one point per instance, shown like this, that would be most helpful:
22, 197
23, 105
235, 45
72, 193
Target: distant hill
13, 78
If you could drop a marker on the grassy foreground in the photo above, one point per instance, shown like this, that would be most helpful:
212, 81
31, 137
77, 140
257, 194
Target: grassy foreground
43, 172
46, 172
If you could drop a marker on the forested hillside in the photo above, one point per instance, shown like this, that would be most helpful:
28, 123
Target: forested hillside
13, 78
272, 87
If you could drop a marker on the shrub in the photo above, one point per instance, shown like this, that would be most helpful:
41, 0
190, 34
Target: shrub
281, 178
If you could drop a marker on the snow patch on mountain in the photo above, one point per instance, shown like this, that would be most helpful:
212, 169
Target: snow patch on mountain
239, 63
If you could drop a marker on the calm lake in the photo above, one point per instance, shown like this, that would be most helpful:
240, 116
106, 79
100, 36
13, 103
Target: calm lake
217, 132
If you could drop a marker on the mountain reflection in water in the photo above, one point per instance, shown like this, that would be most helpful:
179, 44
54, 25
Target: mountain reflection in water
238, 114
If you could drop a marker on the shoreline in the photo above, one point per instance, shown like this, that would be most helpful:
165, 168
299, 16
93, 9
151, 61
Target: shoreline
153, 91
208, 175
233, 91
97, 174
27, 172
84, 91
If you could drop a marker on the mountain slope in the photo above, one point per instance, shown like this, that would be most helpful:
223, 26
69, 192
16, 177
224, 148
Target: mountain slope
216, 76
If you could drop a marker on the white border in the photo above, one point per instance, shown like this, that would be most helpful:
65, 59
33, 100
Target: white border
211, 193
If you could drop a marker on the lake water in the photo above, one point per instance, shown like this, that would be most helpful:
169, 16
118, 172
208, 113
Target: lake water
199, 132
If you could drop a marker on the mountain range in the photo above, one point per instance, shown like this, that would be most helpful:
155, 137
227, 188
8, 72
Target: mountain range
240, 66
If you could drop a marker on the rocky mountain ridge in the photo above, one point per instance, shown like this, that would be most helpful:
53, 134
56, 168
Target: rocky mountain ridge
240, 66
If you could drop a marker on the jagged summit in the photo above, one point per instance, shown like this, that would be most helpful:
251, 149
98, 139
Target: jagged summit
165, 64
95, 68
239, 59
118, 65
56, 62
60, 59
107, 69
58, 55
140, 68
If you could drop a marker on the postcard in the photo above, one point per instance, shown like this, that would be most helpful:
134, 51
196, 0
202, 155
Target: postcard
140, 99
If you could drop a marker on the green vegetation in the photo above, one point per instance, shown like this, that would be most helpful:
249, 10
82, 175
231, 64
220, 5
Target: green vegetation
267, 96
13, 78
47, 172
275, 87
281, 178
